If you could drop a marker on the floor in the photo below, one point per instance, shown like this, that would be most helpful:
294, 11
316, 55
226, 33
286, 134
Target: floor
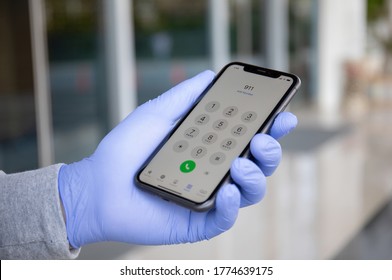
374, 241
329, 199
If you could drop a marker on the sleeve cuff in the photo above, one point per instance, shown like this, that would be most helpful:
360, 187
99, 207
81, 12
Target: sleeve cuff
33, 226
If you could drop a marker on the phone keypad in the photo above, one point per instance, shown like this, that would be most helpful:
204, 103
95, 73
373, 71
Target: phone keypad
210, 138
228, 144
220, 124
212, 106
199, 152
230, 111
202, 119
180, 146
239, 130
191, 132
210, 127
217, 158
249, 116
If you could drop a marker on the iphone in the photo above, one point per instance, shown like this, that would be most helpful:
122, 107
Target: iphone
194, 160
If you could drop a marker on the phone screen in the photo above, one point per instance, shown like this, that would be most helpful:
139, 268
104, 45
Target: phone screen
198, 154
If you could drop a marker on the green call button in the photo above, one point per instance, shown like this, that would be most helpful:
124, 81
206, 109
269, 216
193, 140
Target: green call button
187, 166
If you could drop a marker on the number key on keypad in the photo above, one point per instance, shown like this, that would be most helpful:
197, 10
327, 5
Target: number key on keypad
191, 133
238, 130
210, 138
228, 144
220, 124
249, 116
202, 119
199, 152
212, 106
230, 111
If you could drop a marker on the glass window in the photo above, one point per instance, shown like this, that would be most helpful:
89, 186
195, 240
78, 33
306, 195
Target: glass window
247, 23
302, 44
18, 138
171, 42
76, 77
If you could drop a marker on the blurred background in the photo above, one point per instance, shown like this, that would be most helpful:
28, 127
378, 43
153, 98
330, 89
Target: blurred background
70, 70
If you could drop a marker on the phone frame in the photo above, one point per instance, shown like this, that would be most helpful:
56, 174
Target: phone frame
264, 128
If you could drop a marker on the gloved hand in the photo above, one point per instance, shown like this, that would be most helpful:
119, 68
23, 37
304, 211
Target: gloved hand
102, 203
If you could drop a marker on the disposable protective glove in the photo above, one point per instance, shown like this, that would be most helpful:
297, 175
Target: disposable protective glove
102, 203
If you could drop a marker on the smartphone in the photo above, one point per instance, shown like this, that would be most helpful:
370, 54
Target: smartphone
194, 160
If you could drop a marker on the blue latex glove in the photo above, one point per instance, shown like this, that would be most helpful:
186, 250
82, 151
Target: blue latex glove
102, 203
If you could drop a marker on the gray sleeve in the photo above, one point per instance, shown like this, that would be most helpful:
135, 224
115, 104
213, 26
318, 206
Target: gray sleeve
31, 221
